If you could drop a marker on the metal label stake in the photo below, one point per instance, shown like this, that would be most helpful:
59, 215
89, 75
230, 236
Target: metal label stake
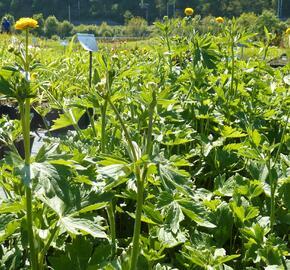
89, 43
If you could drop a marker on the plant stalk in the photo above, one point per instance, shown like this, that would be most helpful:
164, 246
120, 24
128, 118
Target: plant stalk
140, 188
137, 226
25, 122
272, 202
233, 69
140, 191
46, 247
110, 207
103, 134
111, 217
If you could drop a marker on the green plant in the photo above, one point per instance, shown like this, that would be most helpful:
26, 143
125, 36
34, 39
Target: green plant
137, 27
51, 26
176, 157
65, 28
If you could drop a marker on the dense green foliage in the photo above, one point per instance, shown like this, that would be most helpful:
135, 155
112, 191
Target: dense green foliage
84, 10
183, 163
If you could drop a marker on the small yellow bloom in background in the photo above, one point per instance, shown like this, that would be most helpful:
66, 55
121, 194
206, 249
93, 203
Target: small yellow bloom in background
25, 23
188, 11
33, 76
219, 20
288, 31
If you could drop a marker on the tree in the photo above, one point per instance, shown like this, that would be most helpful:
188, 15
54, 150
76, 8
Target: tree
114, 10
40, 29
127, 16
51, 26
137, 27
65, 28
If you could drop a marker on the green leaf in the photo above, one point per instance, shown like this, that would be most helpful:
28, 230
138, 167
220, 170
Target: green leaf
115, 171
76, 255
222, 260
229, 132
12, 207
196, 213
223, 218
82, 226
251, 212
224, 187
174, 216
67, 119
169, 239
36, 171
244, 213
153, 214
100, 256
196, 257
5, 88
9, 224
93, 207
173, 178
165, 198
255, 136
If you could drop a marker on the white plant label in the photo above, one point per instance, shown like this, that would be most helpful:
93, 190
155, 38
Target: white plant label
88, 42
64, 43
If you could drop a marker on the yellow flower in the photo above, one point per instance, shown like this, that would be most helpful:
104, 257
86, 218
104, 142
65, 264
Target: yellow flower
188, 11
33, 76
288, 31
25, 23
219, 20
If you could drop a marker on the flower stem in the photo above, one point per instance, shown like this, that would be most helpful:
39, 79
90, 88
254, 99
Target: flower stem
111, 217
25, 122
46, 247
233, 68
140, 190
125, 130
103, 115
91, 118
26, 54
273, 190
150, 124
137, 225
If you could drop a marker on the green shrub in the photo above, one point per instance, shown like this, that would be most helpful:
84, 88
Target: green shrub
51, 26
208, 24
269, 20
55, 37
137, 27
39, 31
127, 16
248, 21
88, 29
105, 30
65, 29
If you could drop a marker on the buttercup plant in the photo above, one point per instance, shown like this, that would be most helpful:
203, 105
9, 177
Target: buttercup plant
26, 24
